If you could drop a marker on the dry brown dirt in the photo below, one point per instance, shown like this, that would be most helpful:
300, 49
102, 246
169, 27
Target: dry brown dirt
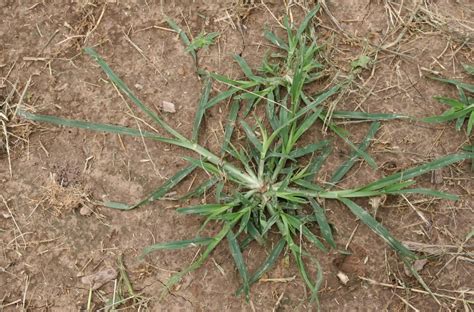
52, 233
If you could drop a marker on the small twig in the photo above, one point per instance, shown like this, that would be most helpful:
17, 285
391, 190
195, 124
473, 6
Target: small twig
49, 41
415, 290
14, 220
96, 24
419, 213
407, 303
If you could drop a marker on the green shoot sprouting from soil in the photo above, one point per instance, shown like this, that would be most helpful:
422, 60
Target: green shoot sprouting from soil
460, 109
264, 185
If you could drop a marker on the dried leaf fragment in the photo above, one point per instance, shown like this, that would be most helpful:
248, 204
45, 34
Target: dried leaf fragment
342, 277
98, 279
168, 107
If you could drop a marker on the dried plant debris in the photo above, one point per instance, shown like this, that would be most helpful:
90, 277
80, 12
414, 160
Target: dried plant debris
13, 130
100, 278
60, 200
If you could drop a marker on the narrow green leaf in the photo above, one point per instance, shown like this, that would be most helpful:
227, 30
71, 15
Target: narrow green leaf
417, 171
304, 24
307, 123
420, 280
255, 234
425, 191
470, 123
378, 228
276, 40
229, 128
221, 97
175, 278
203, 40
204, 165
120, 130
251, 136
297, 224
202, 106
317, 162
246, 69
201, 188
177, 244
205, 209
451, 102
219, 191
365, 116
239, 262
322, 222
361, 153
183, 37
347, 165
308, 149
450, 116
158, 193
468, 68
124, 88
266, 265
459, 84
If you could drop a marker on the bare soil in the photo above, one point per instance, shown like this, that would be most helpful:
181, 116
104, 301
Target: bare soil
52, 232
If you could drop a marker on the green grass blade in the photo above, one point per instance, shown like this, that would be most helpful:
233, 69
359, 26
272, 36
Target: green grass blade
460, 122
124, 88
451, 102
239, 262
417, 171
308, 185
420, 280
306, 21
230, 126
298, 224
322, 222
267, 264
468, 68
158, 193
202, 106
307, 123
308, 149
183, 37
220, 191
251, 136
378, 228
201, 189
347, 165
175, 278
459, 84
221, 97
246, 69
297, 253
203, 40
470, 123
204, 165
254, 234
428, 192
253, 99
361, 153
317, 162
312, 238
276, 40
177, 244
101, 127
205, 209
366, 116
451, 115
270, 111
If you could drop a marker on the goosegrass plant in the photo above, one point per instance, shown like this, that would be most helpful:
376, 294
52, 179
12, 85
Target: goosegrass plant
267, 184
